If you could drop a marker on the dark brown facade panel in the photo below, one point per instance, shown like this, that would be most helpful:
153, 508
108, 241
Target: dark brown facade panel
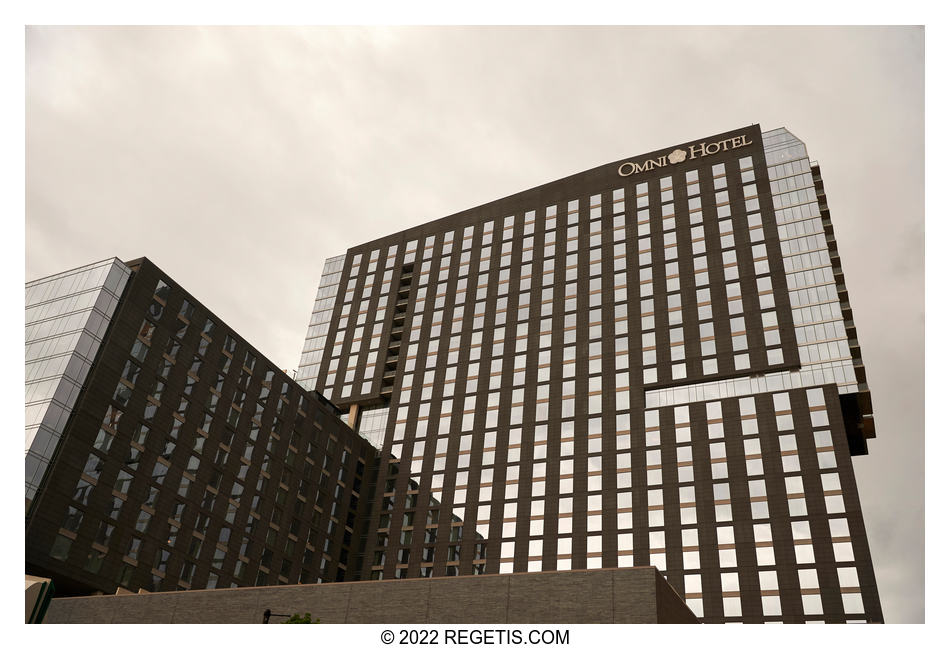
785, 527
602, 181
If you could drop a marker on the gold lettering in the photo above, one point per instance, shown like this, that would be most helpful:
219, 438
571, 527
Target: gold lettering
695, 151
630, 168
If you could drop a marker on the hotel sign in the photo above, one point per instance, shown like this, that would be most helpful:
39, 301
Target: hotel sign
679, 155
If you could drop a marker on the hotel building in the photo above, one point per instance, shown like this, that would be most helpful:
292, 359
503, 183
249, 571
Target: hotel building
653, 362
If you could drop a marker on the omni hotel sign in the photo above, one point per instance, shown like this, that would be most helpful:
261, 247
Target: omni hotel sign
679, 155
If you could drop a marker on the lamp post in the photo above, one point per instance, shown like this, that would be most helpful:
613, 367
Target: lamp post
268, 615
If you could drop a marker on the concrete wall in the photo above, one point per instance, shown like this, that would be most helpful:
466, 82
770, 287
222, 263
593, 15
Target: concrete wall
616, 595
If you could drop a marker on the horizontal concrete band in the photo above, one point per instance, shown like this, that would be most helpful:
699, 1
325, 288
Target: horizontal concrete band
613, 595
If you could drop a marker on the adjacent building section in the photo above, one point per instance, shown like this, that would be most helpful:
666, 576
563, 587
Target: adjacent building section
182, 458
66, 318
320, 322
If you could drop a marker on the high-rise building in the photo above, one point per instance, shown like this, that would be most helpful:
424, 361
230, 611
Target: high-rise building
163, 452
650, 362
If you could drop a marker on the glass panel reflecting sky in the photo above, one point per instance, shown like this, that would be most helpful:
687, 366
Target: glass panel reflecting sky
66, 316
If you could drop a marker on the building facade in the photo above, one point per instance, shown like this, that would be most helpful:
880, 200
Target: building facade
163, 452
618, 596
652, 362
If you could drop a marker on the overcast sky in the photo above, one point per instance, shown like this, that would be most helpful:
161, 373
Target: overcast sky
238, 159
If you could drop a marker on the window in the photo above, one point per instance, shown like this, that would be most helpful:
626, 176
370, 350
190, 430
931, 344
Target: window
123, 482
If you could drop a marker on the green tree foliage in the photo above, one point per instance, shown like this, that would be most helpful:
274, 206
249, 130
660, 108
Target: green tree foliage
305, 619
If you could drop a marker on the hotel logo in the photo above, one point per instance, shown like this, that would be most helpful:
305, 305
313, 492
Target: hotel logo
679, 155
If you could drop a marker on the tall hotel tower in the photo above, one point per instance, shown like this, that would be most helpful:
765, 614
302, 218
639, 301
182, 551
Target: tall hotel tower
650, 362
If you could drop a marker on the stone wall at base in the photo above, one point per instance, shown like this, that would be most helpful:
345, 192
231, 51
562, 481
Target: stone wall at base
614, 595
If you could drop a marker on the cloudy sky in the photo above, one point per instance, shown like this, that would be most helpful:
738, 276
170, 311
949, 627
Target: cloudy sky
238, 159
